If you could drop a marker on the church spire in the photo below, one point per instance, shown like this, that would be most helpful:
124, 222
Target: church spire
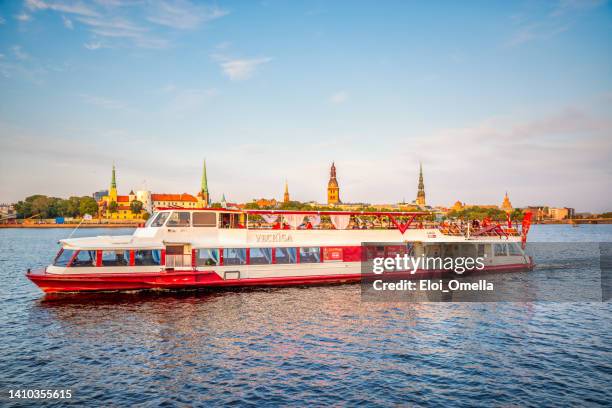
112, 192
286, 198
204, 179
333, 189
420, 200
506, 204
113, 179
204, 187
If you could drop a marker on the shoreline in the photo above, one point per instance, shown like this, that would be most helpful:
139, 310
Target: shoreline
136, 225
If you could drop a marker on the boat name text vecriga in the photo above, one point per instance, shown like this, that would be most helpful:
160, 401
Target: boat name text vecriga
277, 237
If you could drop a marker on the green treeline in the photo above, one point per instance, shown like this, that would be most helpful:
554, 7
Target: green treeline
41, 206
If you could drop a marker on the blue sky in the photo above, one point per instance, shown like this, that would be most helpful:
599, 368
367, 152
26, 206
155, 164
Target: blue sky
490, 96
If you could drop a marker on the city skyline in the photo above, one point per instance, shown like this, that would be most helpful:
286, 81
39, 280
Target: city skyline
419, 199
515, 97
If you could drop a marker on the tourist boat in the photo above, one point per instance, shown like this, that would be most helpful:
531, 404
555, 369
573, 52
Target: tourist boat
197, 248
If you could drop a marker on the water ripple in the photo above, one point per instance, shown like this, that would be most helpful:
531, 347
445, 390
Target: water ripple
293, 346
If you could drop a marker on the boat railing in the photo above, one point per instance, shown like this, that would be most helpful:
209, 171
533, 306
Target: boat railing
466, 230
353, 225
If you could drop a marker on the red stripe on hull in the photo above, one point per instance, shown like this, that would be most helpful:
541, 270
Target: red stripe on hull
50, 283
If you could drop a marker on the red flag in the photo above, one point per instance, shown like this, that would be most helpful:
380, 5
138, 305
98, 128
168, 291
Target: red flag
509, 220
525, 228
402, 227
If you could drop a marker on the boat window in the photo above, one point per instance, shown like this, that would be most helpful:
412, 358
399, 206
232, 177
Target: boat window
285, 255
115, 258
229, 220
179, 219
234, 256
481, 250
207, 257
499, 249
514, 249
310, 255
260, 256
204, 219
147, 257
64, 256
84, 258
160, 219
150, 220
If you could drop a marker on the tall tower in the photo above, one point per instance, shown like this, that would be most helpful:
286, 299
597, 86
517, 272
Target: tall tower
112, 192
286, 198
333, 190
506, 205
204, 188
420, 199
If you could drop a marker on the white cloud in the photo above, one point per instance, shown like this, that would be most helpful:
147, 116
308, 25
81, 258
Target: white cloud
112, 27
103, 102
2, 20
23, 17
531, 27
572, 6
70, 8
20, 54
339, 97
93, 45
121, 28
182, 15
169, 88
537, 31
240, 69
130, 22
67, 23
185, 102
223, 45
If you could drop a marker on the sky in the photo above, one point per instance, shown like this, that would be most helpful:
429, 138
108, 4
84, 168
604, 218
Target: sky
490, 96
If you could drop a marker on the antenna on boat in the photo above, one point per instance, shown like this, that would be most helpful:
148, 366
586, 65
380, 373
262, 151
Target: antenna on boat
85, 217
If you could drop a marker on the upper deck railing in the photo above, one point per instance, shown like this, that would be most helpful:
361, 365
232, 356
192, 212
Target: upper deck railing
353, 220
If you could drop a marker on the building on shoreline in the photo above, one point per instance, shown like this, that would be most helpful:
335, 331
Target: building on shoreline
506, 204
420, 198
118, 207
286, 197
333, 189
562, 213
121, 207
98, 195
203, 195
539, 212
7, 212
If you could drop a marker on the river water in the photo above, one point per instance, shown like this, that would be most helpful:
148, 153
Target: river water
296, 346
